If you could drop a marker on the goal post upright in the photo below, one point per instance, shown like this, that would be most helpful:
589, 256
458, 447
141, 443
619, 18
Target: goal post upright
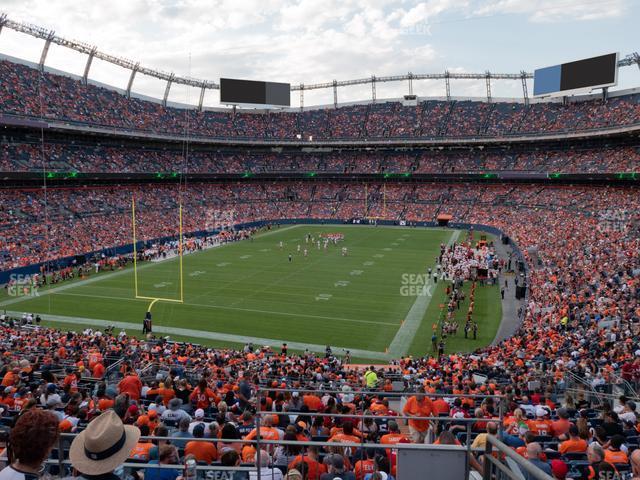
135, 260
135, 250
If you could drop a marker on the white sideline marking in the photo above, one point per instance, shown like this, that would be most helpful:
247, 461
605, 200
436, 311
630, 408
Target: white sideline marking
253, 310
244, 257
356, 273
406, 333
368, 263
197, 273
341, 283
223, 337
323, 296
222, 264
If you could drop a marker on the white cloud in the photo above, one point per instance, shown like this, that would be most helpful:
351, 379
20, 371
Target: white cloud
283, 40
551, 11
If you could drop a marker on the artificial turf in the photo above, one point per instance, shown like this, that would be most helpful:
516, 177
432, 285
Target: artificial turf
250, 288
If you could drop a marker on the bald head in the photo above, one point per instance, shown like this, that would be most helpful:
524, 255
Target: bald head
595, 453
635, 462
534, 450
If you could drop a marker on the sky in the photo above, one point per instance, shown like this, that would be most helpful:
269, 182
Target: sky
309, 41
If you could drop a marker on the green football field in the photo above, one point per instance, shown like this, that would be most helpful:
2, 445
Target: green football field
250, 291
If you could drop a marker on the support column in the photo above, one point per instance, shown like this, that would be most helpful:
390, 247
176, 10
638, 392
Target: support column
87, 67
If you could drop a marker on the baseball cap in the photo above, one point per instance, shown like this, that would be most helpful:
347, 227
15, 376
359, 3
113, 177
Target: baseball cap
559, 469
199, 413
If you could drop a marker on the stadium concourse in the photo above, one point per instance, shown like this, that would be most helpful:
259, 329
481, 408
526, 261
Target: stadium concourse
581, 320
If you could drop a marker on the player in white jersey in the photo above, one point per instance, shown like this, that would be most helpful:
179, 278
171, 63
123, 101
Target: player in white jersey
305, 252
344, 251
298, 248
281, 245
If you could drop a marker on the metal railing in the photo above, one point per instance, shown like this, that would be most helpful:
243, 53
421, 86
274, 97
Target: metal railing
495, 469
468, 422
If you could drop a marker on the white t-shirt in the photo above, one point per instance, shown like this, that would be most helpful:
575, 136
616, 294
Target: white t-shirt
10, 473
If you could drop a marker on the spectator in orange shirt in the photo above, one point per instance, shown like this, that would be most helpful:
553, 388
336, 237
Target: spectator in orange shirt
201, 450
575, 444
541, 426
614, 454
347, 435
202, 396
561, 426
441, 407
143, 447
365, 466
418, 406
313, 402
316, 469
98, 370
131, 385
11, 377
394, 436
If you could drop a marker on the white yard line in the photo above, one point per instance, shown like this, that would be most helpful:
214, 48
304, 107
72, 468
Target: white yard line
223, 337
106, 276
223, 307
406, 333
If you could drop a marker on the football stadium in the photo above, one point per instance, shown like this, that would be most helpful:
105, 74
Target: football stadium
243, 269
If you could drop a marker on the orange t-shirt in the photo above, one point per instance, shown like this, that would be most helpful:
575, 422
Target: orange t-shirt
540, 427
615, 457
316, 469
203, 451
422, 409
573, 446
363, 467
98, 370
141, 451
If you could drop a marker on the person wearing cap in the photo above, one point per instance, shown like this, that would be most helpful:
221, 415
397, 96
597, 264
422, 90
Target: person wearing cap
561, 426
335, 469
541, 426
174, 413
198, 419
559, 469
31, 440
295, 403
103, 446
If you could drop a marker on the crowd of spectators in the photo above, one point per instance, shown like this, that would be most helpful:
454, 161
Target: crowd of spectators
582, 316
67, 157
26, 91
45, 224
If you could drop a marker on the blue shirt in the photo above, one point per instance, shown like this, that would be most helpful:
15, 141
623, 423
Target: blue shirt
160, 473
